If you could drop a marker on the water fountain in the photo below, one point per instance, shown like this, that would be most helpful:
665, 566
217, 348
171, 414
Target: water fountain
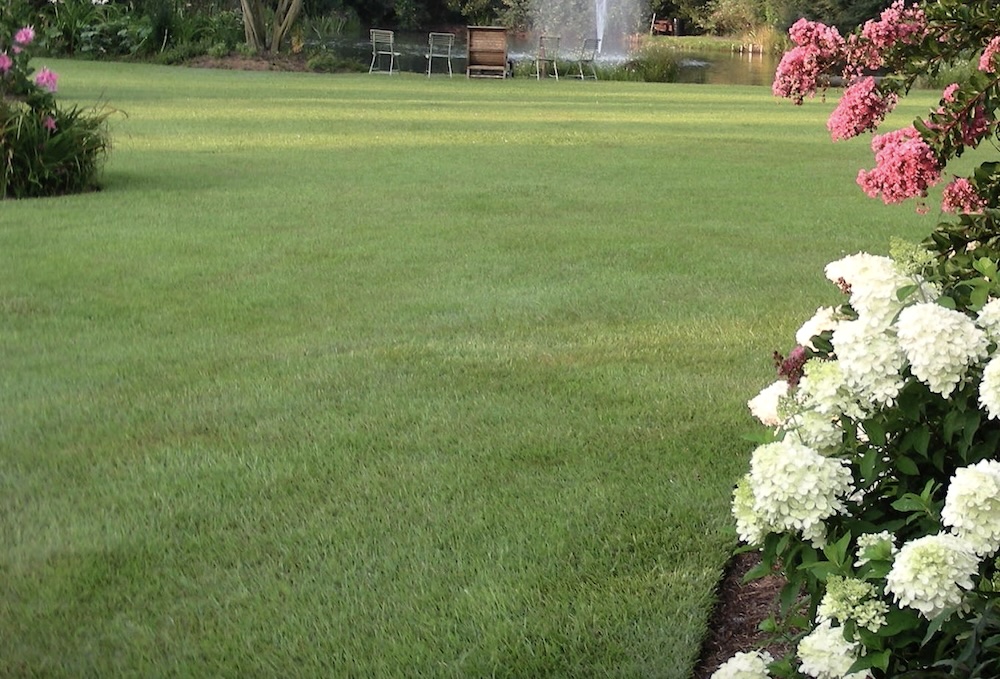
610, 21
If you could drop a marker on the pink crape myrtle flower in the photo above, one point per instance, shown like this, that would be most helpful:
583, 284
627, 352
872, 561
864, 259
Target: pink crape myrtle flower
49, 123
46, 79
861, 109
23, 38
5, 63
975, 127
948, 96
905, 166
897, 24
961, 197
986, 61
818, 47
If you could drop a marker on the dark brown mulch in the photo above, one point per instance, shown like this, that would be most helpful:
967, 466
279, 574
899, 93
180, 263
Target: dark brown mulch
740, 609
276, 62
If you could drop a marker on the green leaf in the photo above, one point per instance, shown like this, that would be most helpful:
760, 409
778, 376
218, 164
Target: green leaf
907, 466
909, 503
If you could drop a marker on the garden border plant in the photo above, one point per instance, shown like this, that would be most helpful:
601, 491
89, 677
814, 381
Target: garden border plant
878, 493
45, 150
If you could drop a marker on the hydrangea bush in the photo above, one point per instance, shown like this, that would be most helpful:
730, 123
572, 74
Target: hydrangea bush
876, 490
44, 149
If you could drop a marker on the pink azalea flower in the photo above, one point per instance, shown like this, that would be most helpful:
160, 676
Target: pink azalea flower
861, 109
986, 61
961, 196
905, 166
49, 123
46, 79
5, 63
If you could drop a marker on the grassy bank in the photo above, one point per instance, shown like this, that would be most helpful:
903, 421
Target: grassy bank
372, 376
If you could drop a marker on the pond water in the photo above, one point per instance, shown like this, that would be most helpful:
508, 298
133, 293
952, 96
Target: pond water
713, 68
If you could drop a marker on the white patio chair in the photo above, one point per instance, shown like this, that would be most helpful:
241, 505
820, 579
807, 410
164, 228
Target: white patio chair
439, 47
383, 45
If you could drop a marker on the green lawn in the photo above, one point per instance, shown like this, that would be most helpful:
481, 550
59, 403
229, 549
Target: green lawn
386, 377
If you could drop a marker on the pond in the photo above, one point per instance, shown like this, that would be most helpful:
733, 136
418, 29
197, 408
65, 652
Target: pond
712, 68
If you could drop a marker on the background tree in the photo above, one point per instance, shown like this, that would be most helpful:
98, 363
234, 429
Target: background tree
268, 24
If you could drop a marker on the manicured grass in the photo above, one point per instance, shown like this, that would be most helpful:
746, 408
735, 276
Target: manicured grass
369, 376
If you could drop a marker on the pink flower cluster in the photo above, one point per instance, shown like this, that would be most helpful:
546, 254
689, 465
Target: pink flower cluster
961, 196
862, 108
986, 61
818, 48
897, 24
47, 80
23, 38
5, 63
905, 166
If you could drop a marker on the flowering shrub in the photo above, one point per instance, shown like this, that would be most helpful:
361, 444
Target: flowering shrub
876, 491
44, 150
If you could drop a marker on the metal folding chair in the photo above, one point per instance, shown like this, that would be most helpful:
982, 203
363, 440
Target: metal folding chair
383, 45
439, 46
548, 52
591, 46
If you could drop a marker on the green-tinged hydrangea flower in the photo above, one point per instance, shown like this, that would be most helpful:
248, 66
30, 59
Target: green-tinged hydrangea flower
796, 489
823, 388
852, 599
930, 574
880, 546
751, 665
989, 389
749, 526
910, 258
940, 344
826, 654
814, 430
872, 362
989, 320
764, 406
972, 506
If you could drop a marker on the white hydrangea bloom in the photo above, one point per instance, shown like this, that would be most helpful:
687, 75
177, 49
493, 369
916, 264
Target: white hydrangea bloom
930, 573
826, 654
796, 489
868, 541
751, 665
972, 506
764, 406
940, 344
749, 526
989, 389
871, 361
874, 282
852, 599
825, 318
989, 320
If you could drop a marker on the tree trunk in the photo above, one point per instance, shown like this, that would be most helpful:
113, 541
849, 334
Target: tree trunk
253, 24
284, 18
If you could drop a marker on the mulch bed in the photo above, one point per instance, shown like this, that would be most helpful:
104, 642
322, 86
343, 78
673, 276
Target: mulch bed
740, 609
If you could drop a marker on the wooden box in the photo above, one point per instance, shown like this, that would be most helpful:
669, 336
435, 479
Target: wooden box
487, 52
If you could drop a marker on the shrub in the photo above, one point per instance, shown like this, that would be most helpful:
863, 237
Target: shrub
877, 493
45, 150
